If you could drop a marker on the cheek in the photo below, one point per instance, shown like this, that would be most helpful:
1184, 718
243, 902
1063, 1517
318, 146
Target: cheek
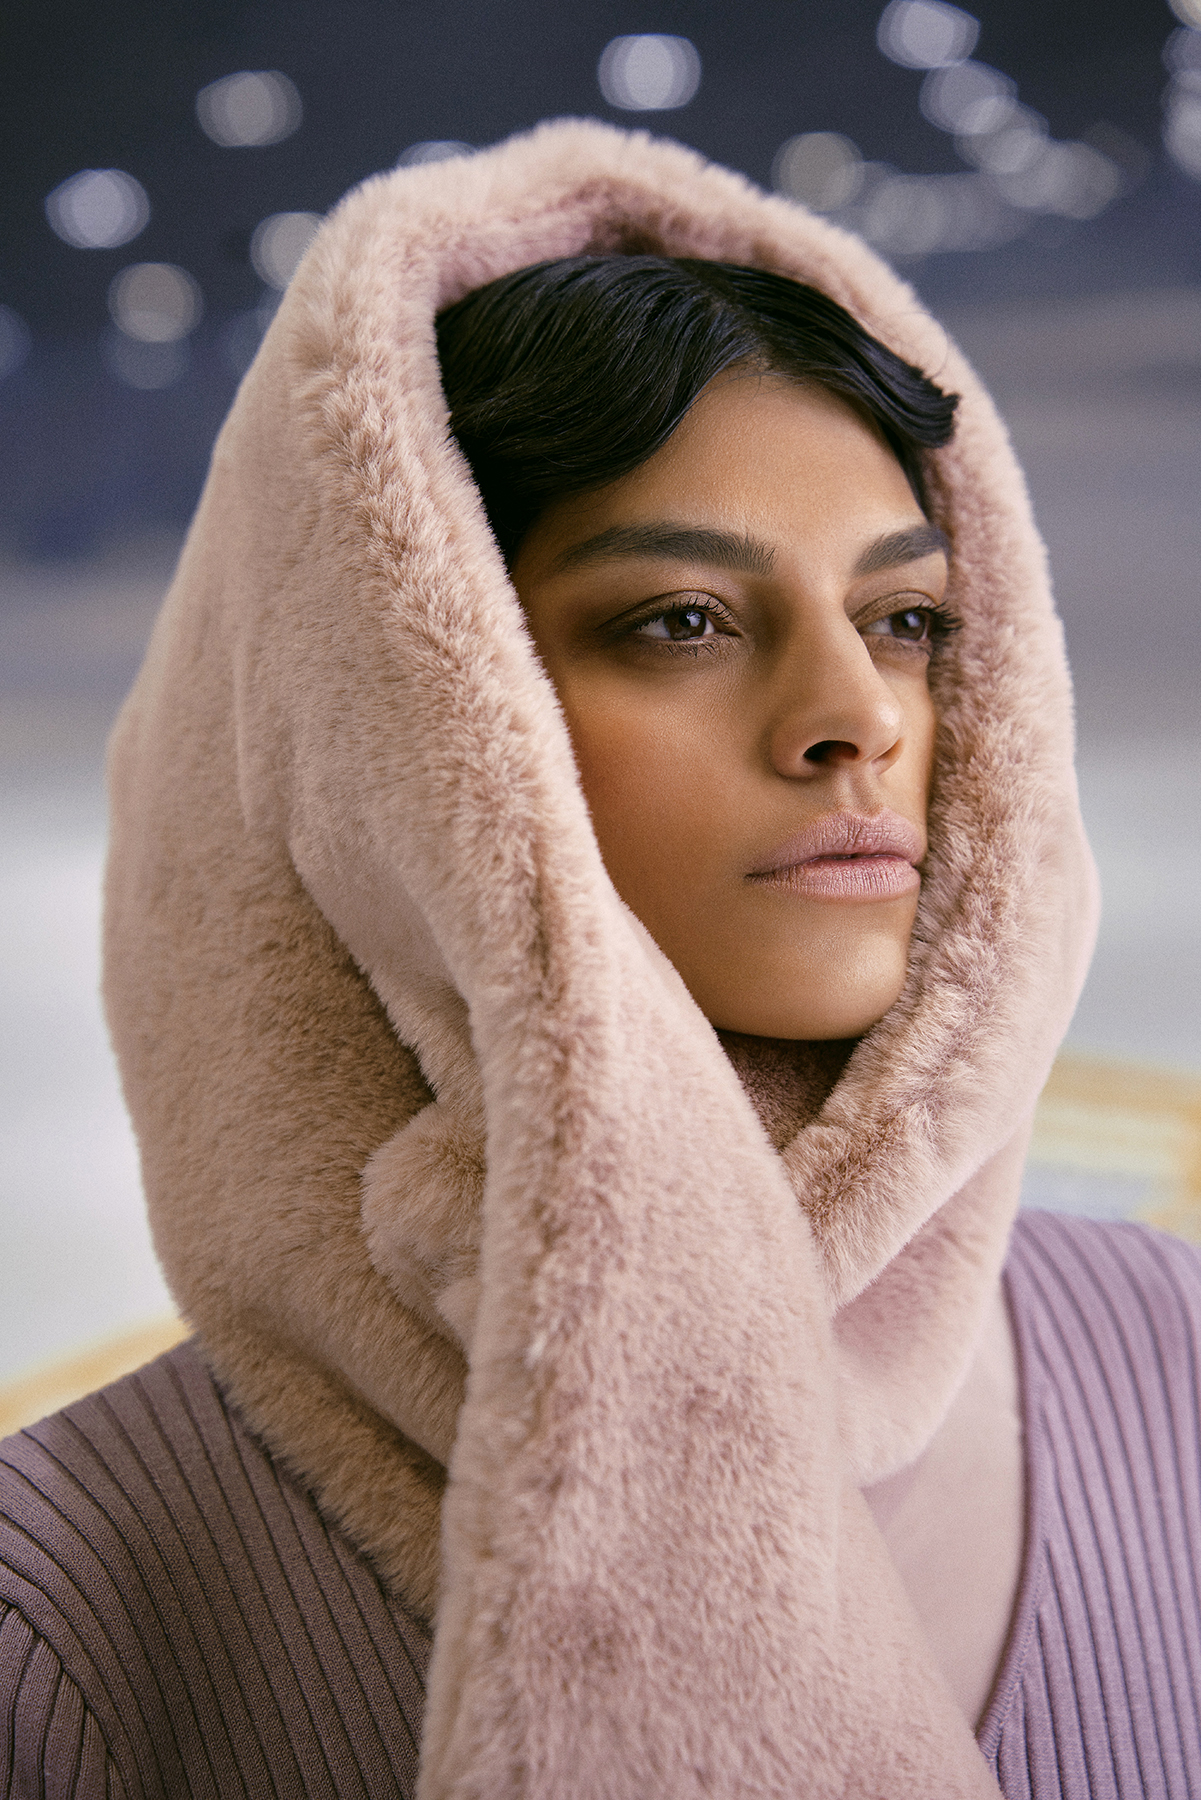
919, 733
651, 780
922, 728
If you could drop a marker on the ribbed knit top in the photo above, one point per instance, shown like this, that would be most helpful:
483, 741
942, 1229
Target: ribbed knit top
1099, 1690
177, 1618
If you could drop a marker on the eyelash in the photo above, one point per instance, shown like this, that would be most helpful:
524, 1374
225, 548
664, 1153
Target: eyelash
942, 622
702, 603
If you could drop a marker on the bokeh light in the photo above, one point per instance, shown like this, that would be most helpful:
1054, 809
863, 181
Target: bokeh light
1187, 11
969, 98
145, 365
278, 244
1016, 146
1182, 57
1019, 142
1072, 180
433, 150
926, 34
905, 215
649, 73
1182, 133
15, 341
1182, 99
98, 209
250, 109
909, 216
1010, 144
156, 303
821, 168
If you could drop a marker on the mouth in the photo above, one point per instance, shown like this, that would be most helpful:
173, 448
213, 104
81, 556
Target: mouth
847, 856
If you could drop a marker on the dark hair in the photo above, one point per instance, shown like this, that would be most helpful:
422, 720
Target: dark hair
567, 375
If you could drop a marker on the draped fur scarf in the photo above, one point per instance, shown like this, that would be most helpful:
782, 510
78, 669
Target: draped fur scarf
476, 1221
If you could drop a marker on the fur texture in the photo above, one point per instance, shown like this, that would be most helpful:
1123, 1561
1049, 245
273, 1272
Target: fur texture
472, 1212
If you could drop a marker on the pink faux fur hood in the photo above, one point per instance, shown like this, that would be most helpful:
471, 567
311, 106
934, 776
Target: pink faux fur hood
473, 1215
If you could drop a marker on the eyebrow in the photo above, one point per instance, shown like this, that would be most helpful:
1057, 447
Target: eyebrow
903, 547
738, 552
679, 543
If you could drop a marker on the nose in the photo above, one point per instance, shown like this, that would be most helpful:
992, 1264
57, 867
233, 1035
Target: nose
832, 706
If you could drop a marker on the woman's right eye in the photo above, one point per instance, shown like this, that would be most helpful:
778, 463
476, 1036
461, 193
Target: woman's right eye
680, 624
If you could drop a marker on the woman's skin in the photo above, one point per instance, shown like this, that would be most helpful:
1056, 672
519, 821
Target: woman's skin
739, 632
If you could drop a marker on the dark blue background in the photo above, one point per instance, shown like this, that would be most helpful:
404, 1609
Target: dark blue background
85, 461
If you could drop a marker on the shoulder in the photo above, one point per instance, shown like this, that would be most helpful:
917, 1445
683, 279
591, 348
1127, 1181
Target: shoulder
52, 1741
218, 1631
1102, 1265
1109, 1315
1107, 1631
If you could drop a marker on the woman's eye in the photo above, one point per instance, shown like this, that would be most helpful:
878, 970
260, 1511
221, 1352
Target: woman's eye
915, 625
682, 624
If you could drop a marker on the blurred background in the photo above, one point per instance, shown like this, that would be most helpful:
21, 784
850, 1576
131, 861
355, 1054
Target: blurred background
1033, 168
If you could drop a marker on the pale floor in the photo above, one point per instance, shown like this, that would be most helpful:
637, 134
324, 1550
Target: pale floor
75, 1257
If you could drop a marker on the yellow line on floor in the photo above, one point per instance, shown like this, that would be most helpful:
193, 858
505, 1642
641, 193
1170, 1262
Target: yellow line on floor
56, 1384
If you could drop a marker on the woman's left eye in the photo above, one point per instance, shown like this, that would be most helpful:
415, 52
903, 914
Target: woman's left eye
915, 625
681, 624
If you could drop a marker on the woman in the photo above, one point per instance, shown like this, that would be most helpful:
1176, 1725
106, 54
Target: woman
584, 947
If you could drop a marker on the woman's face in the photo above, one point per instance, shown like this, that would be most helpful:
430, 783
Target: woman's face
739, 633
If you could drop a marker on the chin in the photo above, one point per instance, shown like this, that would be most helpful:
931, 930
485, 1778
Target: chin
810, 1027
810, 1007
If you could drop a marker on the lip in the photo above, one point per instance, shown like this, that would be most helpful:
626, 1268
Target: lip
847, 856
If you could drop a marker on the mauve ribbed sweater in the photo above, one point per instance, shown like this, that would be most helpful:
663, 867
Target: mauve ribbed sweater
176, 1617
1097, 1696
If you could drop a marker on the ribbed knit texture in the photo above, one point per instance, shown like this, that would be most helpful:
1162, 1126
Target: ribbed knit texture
1098, 1694
176, 1618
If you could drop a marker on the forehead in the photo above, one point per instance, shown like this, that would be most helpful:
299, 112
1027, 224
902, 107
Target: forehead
769, 430
786, 462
